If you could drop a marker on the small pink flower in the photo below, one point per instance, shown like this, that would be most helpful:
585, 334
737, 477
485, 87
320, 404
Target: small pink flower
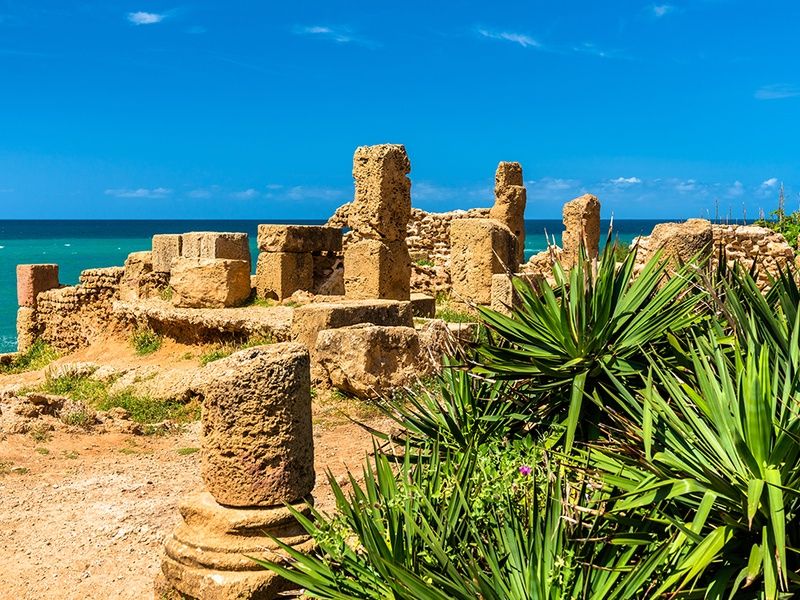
525, 470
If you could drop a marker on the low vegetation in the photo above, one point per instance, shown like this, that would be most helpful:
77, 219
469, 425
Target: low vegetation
38, 356
424, 262
613, 439
95, 395
146, 341
225, 350
450, 312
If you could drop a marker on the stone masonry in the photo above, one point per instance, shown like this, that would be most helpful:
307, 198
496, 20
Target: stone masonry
257, 456
480, 249
581, 226
293, 258
32, 280
376, 262
509, 204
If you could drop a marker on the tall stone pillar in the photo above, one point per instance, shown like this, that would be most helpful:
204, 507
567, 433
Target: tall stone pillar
31, 281
510, 198
581, 226
376, 262
257, 456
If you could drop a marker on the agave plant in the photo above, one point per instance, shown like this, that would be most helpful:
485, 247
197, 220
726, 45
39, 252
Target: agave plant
724, 448
565, 337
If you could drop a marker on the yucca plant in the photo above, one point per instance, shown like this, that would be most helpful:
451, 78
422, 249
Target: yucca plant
565, 337
723, 447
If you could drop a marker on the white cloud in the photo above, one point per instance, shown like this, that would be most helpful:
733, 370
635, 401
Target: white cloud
623, 181
145, 18
200, 194
661, 10
736, 190
777, 91
143, 193
769, 183
522, 39
247, 194
690, 185
342, 35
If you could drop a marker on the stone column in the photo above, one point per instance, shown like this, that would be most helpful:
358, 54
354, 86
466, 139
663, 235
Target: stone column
581, 226
376, 262
509, 204
479, 249
31, 281
257, 456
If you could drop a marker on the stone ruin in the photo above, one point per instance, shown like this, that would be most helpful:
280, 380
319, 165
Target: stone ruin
257, 459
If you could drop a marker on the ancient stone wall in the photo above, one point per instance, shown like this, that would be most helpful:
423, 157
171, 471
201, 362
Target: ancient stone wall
749, 243
72, 317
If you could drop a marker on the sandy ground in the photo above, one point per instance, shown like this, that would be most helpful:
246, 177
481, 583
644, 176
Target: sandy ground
82, 516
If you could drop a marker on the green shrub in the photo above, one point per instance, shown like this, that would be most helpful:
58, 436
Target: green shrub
167, 293
424, 262
38, 356
145, 341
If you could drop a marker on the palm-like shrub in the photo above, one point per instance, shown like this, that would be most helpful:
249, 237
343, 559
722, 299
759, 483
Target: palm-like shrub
724, 447
565, 338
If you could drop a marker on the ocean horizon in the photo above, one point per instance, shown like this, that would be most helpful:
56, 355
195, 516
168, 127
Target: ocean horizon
77, 244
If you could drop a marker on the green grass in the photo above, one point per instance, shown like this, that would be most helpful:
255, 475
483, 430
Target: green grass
424, 262
95, 395
37, 357
187, 451
167, 293
42, 451
225, 350
40, 433
146, 341
262, 302
7, 468
449, 315
70, 455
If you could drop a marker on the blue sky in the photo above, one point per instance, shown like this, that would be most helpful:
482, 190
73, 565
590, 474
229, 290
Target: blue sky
251, 109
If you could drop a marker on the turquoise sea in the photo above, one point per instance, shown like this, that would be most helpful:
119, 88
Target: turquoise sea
78, 245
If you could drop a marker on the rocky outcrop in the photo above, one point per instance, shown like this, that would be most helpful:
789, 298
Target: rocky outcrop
678, 243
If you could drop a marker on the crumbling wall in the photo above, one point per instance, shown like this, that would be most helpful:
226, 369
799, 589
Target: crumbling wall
72, 317
749, 243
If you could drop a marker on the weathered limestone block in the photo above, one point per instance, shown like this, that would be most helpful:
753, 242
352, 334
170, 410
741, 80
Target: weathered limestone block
504, 297
510, 198
206, 556
258, 448
328, 274
370, 360
310, 319
166, 248
377, 269
680, 243
32, 279
581, 225
281, 274
382, 203
299, 238
214, 244
134, 282
423, 305
209, 283
28, 328
480, 248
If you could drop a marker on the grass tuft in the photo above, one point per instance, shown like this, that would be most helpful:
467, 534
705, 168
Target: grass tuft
38, 356
187, 451
145, 341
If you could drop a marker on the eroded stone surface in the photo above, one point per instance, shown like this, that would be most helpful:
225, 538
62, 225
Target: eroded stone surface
377, 269
510, 198
306, 239
28, 328
281, 274
581, 225
258, 448
209, 283
504, 297
382, 203
679, 243
369, 360
33, 279
480, 248
139, 280
216, 244
166, 248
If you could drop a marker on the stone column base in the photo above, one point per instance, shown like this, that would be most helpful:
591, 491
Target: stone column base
206, 556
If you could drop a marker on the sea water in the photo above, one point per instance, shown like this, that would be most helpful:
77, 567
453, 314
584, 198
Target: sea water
79, 245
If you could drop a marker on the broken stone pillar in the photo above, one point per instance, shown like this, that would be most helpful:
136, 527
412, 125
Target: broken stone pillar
504, 296
679, 243
33, 279
291, 255
209, 283
480, 248
581, 226
257, 456
376, 264
509, 204
166, 248
139, 281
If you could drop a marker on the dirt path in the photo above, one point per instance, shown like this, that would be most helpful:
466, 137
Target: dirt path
82, 516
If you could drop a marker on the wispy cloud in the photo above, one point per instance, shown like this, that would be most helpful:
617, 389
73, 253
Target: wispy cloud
143, 193
624, 181
522, 39
145, 18
247, 194
777, 91
340, 35
662, 10
769, 183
